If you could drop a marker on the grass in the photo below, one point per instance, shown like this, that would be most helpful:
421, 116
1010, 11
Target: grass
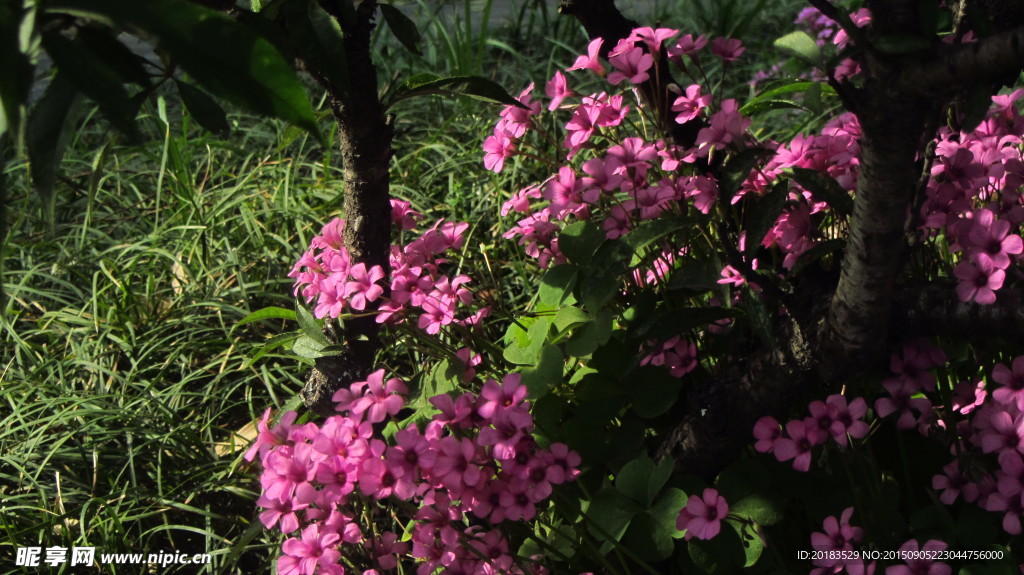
126, 391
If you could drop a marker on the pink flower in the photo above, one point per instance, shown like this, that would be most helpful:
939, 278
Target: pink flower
728, 49
631, 63
991, 239
979, 281
702, 516
519, 119
279, 510
364, 288
592, 60
381, 399
497, 147
846, 419
797, 446
687, 46
690, 105
653, 38
950, 482
901, 402
402, 215
920, 564
766, 431
314, 549
1012, 383
495, 397
727, 126
1005, 432
557, 89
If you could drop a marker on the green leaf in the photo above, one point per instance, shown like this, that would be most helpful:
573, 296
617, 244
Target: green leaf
656, 393
15, 71
94, 78
203, 108
761, 508
609, 514
441, 379
764, 100
600, 283
126, 63
556, 285
721, 554
667, 507
310, 326
773, 104
267, 313
750, 539
649, 232
737, 169
695, 275
641, 480
570, 317
472, 86
592, 335
305, 346
524, 347
47, 136
318, 39
632, 480
224, 57
279, 340
647, 539
546, 374
762, 213
800, 45
579, 240
402, 27
825, 189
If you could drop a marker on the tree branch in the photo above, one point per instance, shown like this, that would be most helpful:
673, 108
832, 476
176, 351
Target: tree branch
966, 64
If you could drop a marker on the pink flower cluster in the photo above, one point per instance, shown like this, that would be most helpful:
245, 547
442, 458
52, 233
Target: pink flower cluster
833, 419
833, 152
675, 354
992, 424
839, 535
475, 458
631, 180
974, 195
418, 285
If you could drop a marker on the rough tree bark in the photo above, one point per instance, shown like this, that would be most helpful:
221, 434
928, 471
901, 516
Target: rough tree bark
365, 135
843, 327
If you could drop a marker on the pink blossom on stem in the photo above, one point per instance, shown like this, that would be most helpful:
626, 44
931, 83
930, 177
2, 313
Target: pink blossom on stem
728, 49
690, 104
592, 60
363, 288
557, 89
702, 517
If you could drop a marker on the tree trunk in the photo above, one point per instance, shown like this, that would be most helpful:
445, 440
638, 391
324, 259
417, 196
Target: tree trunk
365, 135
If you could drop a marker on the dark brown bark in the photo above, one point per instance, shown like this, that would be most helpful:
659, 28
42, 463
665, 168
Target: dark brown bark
365, 135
